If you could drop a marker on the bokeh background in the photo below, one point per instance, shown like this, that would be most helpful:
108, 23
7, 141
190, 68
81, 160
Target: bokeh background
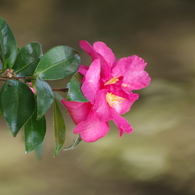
159, 156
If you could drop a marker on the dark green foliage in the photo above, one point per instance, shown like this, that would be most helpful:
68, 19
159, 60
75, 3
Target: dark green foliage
26, 96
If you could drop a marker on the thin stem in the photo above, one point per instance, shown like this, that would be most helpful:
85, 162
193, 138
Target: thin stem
2, 79
60, 89
32, 78
16, 78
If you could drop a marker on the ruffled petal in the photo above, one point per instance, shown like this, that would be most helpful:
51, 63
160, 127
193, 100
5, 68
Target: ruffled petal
122, 124
131, 63
132, 70
92, 128
105, 52
77, 110
135, 80
91, 84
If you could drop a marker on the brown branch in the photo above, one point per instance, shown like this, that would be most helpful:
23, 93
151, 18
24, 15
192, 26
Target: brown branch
15, 78
18, 78
61, 89
3, 79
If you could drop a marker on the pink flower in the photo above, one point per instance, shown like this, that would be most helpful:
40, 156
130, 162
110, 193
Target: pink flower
107, 85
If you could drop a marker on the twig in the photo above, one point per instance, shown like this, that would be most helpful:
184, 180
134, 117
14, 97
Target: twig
61, 89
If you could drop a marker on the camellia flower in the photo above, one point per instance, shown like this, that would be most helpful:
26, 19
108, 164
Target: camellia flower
107, 85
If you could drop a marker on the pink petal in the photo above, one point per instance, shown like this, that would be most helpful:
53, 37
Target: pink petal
105, 52
122, 124
101, 106
92, 128
129, 99
105, 55
32, 89
77, 110
91, 83
88, 49
132, 70
125, 105
136, 80
131, 63
83, 69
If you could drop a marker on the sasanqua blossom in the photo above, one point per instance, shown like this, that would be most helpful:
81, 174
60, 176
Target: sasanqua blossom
107, 85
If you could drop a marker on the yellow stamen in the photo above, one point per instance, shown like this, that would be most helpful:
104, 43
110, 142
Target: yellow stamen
114, 100
112, 80
125, 85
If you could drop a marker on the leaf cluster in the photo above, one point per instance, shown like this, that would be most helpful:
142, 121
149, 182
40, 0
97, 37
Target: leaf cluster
26, 96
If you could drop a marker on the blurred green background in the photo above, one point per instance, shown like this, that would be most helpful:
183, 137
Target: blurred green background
159, 156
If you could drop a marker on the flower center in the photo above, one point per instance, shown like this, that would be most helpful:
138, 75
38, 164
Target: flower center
112, 80
114, 100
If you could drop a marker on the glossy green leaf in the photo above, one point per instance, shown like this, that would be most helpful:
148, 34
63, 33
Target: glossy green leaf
59, 128
57, 63
74, 89
75, 144
39, 150
8, 47
27, 59
34, 133
1, 113
44, 97
17, 104
58, 96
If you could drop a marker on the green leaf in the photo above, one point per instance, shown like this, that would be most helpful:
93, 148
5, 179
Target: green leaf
75, 144
58, 96
74, 89
27, 59
8, 47
17, 104
39, 150
44, 97
1, 113
57, 63
59, 128
34, 133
